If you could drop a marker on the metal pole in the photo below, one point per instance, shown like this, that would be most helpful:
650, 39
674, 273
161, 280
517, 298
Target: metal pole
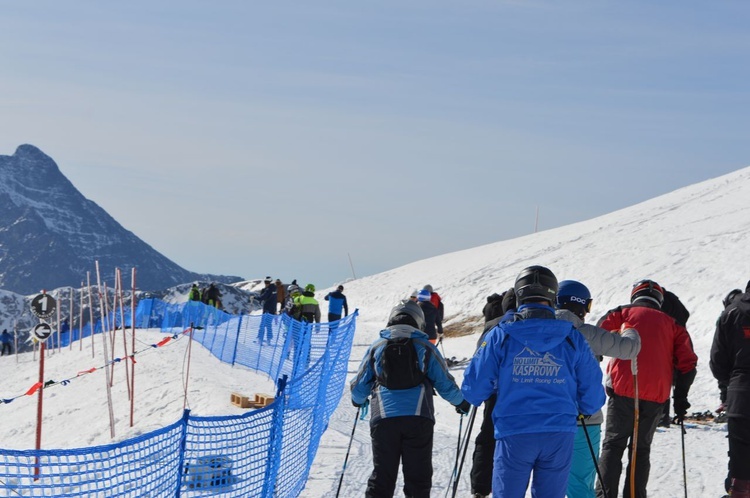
346, 458
39, 410
352, 265
593, 455
684, 468
467, 438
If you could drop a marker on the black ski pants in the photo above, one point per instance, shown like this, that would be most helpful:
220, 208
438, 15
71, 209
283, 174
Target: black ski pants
5, 347
739, 447
332, 317
406, 440
618, 437
484, 452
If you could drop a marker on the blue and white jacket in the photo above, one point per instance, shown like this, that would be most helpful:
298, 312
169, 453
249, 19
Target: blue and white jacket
542, 370
416, 401
337, 303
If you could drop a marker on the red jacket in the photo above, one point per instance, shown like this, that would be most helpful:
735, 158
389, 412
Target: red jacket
665, 346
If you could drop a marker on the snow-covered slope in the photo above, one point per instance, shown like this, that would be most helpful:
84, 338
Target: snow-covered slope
693, 241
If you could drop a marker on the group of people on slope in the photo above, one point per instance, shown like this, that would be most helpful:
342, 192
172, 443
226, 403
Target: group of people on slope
211, 295
537, 371
300, 304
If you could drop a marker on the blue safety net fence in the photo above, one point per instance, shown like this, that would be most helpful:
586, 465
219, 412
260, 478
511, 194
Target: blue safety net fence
266, 452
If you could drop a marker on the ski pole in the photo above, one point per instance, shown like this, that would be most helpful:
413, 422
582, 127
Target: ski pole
636, 416
684, 468
346, 458
458, 452
593, 455
467, 437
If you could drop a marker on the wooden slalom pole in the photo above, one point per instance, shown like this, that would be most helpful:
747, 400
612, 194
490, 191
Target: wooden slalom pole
132, 366
92, 325
106, 358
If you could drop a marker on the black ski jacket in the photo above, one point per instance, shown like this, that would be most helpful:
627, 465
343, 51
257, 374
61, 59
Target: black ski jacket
730, 355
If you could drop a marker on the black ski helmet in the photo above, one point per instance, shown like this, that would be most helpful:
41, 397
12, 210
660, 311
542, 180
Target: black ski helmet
730, 297
535, 283
411, 309
649, 290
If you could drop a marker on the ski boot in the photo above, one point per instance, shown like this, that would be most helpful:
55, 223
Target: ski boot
665, 421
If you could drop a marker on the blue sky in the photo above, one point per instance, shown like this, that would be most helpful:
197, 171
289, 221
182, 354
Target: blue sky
255, 138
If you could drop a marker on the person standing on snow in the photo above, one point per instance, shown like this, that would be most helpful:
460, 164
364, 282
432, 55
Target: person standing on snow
336, 303
730, 365
665, 346
430, 315
573, 303
403, 416
673, 307
195, 293
544, 375
280, 294
499, 307
5, 339
268, 298
309, 309
437, 302
729, 299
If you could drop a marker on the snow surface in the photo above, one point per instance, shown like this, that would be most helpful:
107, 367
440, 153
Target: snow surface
692, 241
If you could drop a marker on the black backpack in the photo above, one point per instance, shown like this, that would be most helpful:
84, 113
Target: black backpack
400, 364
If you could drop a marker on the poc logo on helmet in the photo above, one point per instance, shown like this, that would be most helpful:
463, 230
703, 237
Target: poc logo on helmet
577, 299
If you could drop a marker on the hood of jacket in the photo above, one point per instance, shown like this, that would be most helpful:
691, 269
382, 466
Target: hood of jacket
536, 328
402, 331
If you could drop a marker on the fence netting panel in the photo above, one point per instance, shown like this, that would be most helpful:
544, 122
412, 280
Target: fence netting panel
265, 452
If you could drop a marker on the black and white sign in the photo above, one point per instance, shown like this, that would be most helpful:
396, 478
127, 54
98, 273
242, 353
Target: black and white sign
43, 305
42, 331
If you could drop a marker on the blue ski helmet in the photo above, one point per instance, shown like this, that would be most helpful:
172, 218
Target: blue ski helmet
572, 292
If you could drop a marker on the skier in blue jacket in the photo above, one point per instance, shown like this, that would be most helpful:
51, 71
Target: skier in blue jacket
337, 303
402, 419
544, 375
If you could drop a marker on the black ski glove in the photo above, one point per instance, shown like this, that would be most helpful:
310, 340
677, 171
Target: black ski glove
681, 406
463, 407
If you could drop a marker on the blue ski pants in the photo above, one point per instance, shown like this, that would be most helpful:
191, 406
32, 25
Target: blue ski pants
547, 454
583, 471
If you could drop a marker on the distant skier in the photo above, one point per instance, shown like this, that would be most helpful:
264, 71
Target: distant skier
268, 298
665, 346
195, 293
730, 365
539, 401
212, 296
280, 294
430, 315
5, 339
403, 416
309, 309
336, 304
437, 302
